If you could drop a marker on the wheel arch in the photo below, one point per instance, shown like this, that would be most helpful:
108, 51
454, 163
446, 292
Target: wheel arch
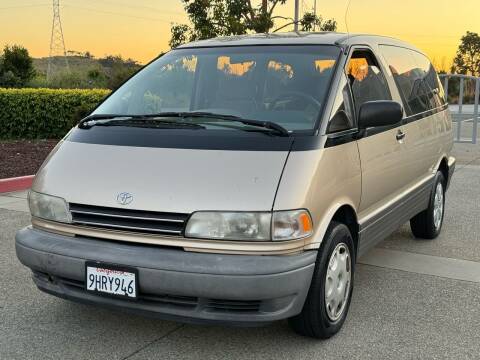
443, 167
343, 212
346, 215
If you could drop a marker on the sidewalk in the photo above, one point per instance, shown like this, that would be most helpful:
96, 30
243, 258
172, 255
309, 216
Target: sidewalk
16, 201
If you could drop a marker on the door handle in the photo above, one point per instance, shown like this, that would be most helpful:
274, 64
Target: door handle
400, 135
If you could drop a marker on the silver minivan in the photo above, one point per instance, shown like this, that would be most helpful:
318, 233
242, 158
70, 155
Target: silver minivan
238, 179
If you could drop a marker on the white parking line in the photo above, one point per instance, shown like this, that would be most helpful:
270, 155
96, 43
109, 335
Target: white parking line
423, 264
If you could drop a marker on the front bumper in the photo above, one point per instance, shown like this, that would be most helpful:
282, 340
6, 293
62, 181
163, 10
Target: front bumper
173, 284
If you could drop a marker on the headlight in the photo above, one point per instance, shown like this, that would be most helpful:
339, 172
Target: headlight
293, 224
250, 226
229, 225
48, 207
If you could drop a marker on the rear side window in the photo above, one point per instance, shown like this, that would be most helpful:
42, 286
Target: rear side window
416, 79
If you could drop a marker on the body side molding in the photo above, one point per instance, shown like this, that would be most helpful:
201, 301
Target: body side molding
388, 219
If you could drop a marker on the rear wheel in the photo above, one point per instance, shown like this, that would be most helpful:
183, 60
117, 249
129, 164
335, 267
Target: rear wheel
428, 224
330, 292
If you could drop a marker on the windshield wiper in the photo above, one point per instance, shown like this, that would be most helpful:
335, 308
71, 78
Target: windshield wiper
92, 120
132, 120
117, 119
210, 115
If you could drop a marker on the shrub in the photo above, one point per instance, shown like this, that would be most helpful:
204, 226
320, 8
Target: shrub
44, 113
16, 66
69, 80
38, 81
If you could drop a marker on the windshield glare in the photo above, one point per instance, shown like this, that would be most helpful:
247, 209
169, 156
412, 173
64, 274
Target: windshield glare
283, 84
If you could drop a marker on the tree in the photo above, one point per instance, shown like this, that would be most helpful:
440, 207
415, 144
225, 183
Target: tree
117, 69
467, 60
16, 66
212, 18
308, 22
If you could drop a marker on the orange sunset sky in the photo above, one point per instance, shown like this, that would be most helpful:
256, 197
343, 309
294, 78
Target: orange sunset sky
140, 29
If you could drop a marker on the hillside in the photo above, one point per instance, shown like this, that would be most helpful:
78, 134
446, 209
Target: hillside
83, 64
76, 63
84, 72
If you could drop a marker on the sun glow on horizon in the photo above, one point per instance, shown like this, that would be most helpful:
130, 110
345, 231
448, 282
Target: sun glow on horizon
140, 30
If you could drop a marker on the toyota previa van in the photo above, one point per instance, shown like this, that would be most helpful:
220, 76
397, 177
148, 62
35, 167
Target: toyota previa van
237, 180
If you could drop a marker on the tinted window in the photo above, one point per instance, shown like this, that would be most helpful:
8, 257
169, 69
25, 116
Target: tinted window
432, 82
366, 79
296, 84
283, 84
415, 78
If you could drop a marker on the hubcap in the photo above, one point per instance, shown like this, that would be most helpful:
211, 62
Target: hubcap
438, 206
337, 282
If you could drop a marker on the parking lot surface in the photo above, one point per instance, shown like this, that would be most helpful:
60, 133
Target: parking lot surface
412, 299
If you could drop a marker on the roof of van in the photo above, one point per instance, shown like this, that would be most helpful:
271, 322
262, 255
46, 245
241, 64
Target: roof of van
298, 38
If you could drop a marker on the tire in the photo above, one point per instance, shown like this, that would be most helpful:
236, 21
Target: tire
318, 319
428, 223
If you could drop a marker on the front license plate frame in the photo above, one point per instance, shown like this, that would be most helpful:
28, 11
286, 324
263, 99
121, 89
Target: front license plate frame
110, 270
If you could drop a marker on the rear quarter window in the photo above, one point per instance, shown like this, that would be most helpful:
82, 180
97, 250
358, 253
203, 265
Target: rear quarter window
416, 79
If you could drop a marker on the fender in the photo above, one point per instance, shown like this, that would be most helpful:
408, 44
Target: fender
327, 219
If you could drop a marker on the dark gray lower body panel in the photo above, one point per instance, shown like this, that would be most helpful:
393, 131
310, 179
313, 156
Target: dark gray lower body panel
385, 223
173, 284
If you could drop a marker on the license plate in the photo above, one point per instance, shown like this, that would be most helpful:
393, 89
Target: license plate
111, 280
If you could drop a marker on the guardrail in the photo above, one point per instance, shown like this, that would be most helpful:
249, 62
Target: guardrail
464, 115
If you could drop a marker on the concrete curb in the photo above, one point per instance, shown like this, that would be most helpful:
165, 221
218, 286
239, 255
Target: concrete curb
16, 183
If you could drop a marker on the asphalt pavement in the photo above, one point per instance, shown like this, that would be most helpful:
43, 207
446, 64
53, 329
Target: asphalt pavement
413, 299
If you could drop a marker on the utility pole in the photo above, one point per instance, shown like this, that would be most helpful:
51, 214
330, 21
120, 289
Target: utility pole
57, 42
297, 9
314, 13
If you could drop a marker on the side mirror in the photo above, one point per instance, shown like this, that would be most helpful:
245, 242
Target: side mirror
379, 113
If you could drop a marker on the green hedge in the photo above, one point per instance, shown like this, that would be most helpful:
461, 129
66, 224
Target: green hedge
44, 113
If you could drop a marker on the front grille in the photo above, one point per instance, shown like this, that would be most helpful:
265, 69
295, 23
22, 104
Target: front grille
128, 220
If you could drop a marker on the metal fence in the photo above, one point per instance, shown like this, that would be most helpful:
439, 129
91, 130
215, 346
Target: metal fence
463, 93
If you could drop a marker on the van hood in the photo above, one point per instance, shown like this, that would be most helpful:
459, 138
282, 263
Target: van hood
162, 179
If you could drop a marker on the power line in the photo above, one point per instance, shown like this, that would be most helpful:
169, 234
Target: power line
22, 6
149, 8
115, 13
139, 7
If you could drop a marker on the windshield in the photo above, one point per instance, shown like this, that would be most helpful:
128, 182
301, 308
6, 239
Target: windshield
286, 85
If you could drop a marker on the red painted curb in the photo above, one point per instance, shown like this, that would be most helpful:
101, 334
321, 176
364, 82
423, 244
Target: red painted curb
16, 183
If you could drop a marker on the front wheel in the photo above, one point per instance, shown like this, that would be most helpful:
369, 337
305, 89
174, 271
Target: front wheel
428, 224
330, 292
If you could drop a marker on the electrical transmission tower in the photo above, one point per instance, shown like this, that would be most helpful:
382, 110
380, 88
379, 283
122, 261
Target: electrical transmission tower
57, 42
